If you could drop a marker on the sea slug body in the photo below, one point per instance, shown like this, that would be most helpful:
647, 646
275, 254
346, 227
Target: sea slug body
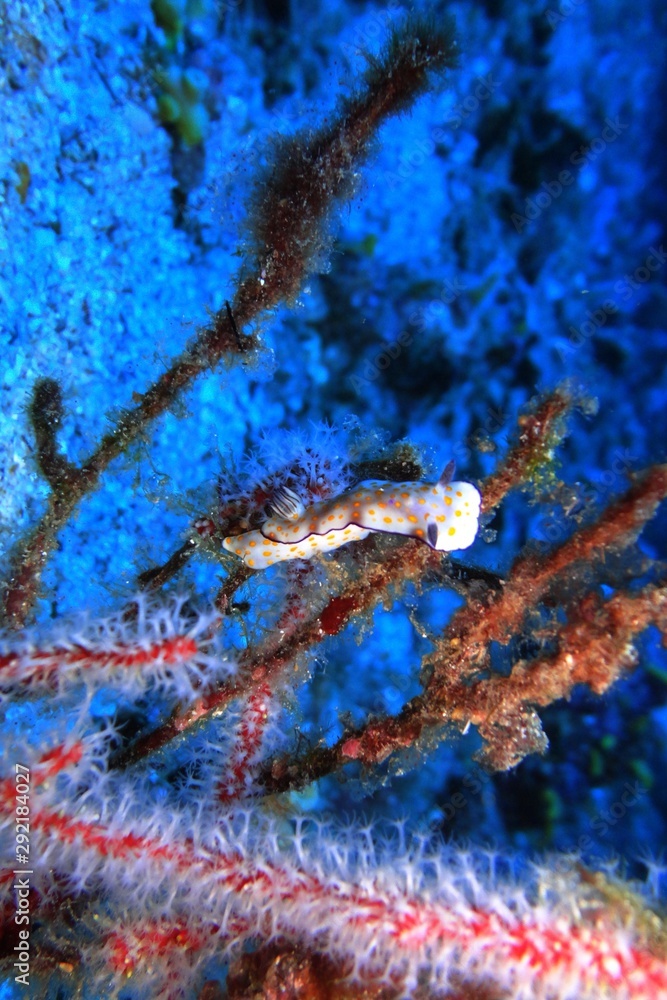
444, 515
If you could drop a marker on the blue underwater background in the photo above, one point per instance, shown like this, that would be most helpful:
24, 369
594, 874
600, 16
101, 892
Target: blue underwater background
505, 235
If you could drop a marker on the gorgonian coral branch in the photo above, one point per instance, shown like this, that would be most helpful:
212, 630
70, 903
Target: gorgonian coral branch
386, 571
315, 170
312, 174
205, 881
246, 756
594, 648
145, 646
541, 428
395, 915
503, 708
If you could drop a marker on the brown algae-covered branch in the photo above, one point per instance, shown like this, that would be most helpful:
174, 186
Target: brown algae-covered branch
387, 570
312, 174
453, 692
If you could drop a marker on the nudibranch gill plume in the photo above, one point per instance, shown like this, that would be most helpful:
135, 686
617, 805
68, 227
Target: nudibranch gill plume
444, 515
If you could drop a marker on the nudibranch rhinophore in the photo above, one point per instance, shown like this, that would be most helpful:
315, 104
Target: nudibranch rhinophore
444, 515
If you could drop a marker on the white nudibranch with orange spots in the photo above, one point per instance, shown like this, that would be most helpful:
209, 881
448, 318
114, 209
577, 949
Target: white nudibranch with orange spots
444, 515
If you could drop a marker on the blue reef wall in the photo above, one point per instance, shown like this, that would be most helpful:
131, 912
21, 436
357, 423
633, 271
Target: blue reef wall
507, 234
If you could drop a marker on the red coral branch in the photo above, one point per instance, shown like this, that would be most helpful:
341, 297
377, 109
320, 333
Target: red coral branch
245, 756
388, 571
41, 666
146, 645
312, 173
509, 723
541, 428
381, 930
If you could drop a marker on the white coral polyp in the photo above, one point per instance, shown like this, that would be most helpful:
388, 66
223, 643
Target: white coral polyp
168, 648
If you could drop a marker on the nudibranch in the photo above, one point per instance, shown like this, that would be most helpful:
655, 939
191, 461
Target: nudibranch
444, 515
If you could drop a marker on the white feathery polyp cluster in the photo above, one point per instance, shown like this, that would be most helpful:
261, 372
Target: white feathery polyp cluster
171, 873
170, 648
389, 914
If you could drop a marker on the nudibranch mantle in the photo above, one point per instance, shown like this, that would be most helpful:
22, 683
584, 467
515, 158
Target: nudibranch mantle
444, 515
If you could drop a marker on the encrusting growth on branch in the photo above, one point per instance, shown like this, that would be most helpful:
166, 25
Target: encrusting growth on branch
46, 414
502, 708
463, 651
393, 916
541, 428
312, 175
155, 853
